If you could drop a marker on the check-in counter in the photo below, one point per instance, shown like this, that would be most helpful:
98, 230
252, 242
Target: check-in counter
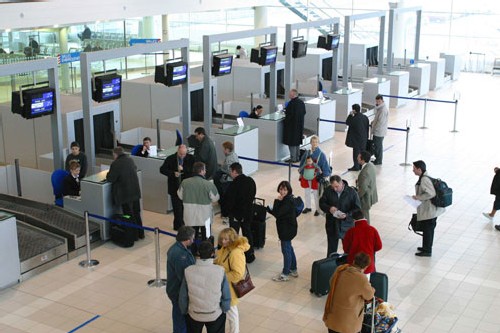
400, 82
345, 98
9, 251
324, 109
97, 199
375, 86
246, 144
420, 77
271, 146
437, 72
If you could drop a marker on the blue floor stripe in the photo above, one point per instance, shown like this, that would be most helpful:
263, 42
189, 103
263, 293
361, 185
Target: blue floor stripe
84, 324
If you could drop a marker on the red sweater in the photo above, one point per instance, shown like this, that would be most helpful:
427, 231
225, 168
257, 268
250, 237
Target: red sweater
362, 238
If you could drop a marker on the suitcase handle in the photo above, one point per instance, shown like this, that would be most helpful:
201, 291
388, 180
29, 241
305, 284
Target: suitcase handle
260, 200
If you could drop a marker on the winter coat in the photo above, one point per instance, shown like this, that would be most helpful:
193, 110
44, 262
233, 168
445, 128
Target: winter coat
357, 133
171, 165
239, 196
425, 192
178, 258
197, 195
495, 184
379, 123
320, 159
344, 308
362, 238
205, 152
367, 186
232, 258
125, 183
293, 124
230, 158
286, 218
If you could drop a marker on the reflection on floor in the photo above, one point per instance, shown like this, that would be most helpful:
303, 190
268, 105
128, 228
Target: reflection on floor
457, 290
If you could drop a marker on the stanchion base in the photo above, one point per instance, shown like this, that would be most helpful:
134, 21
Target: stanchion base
405, 164
423, 127
454, 131
89, 263
157, 283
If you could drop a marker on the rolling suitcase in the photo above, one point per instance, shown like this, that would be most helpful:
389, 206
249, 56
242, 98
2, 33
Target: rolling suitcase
380, 282
258, 226
122, 235
322, 271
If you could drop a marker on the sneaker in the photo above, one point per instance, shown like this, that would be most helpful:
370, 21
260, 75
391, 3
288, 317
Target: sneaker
316, 213
294, 274
281, 278
488, 216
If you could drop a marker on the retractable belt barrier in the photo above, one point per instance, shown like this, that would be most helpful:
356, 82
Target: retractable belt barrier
289, 164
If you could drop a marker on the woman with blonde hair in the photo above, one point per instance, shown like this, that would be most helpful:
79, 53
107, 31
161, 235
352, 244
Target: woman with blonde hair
231, 256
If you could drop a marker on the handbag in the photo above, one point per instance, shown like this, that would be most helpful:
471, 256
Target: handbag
245, 285
370, 146
415, 225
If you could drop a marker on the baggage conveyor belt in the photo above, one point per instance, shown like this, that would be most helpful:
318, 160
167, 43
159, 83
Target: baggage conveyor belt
39, 250
51, 218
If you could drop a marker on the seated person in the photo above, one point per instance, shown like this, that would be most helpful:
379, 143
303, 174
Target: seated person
78, 156
71, 183
256, 112
146, 143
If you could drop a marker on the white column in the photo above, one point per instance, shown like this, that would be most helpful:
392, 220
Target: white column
260, 21
164, 32
63, 47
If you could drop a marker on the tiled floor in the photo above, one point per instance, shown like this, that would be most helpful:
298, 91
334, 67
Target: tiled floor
457, 290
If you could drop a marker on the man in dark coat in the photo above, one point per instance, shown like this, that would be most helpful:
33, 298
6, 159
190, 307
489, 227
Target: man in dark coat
177, 167
204, 151
293, 125
126, 191
238, 200
338, 202
357, 134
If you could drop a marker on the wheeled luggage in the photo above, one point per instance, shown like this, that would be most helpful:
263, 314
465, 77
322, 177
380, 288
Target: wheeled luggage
322, 271
258, 226
122, 235
375, 321
380, 282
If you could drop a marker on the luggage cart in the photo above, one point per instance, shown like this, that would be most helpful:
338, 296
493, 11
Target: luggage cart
370, 324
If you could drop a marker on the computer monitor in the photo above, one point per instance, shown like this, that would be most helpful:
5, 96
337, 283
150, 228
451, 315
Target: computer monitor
299, 48
222, 64
329, 42
176, 73
106, 87
268, 55
35, 102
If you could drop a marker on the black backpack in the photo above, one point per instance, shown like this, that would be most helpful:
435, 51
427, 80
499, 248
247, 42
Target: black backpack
444, 194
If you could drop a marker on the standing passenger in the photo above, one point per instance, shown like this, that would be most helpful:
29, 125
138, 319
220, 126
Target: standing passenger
367, 184
293, 125
357, 134
495, 190
204, 151
379, 127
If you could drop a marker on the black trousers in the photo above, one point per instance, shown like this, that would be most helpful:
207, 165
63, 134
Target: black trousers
216, 326
178, 208
428, 234
134, 209
245, 224
200, 233
332, 236
355, 153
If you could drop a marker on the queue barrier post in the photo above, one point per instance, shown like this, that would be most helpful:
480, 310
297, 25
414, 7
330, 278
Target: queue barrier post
157, 282
455, 118
406, 146
425, 115
289, 170
89, 262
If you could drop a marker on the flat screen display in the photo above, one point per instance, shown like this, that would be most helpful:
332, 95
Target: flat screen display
176, 73
299, 48
36, 102
42, 103
268, 55
223, 63
334, 41
107, 87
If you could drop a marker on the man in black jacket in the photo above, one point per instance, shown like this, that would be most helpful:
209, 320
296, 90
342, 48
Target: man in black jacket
126, 191
293, 125
338, 202
177, 167
204, 151
357, 134
239, 203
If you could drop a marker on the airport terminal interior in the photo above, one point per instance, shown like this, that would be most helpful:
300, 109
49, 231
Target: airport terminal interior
454, 131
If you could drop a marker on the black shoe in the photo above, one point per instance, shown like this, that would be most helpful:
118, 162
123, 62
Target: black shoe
316, 213
497, 227
420, 249
288, 160
375, 163
353, 169
306, 210
423, 254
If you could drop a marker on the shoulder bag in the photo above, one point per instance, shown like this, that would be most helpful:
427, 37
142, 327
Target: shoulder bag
245, 285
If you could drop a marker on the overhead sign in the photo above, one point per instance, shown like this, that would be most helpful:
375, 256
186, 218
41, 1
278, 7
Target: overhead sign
66, 58
134, 41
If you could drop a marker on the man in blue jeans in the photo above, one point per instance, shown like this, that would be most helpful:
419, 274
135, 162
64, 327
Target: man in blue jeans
178, 258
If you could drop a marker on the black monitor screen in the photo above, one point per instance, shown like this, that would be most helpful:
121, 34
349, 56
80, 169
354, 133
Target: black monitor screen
222, 64
176, 73
268, 55
107, 87
299, 48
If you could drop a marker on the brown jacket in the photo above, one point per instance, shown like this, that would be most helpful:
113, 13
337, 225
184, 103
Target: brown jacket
344, 308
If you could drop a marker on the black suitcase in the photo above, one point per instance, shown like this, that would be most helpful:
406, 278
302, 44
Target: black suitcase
259, 210
380, 282
122, 235
258, 226
322, 271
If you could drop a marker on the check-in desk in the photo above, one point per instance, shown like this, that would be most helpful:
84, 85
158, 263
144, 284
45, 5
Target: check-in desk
420, 77
400, 82
9, 251
246, 144
154, 184
437, 72
453, 64
320, 108
97, 199
375, 86
271, 146
345, 98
